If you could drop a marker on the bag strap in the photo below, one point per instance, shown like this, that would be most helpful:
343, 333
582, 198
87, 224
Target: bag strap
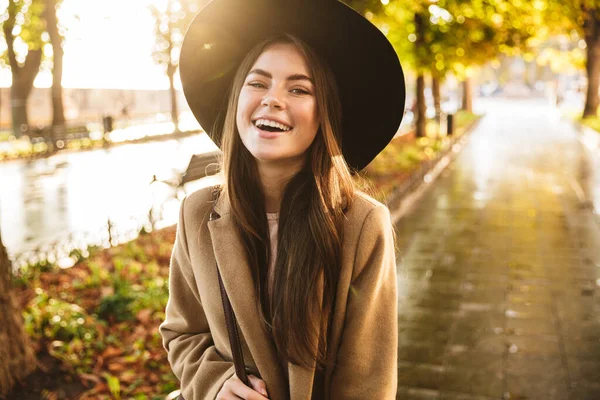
230, 320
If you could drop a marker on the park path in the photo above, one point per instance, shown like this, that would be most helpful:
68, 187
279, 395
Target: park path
499, 267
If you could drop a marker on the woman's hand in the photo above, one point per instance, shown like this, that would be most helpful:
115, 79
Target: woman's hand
234, 389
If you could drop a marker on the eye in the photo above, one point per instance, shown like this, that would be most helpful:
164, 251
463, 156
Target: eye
257, 84
300, 91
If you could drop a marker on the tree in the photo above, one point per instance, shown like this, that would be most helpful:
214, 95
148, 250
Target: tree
17, 359
456, 36
22, 26
591, 31
583, 17
170, 27
56, 40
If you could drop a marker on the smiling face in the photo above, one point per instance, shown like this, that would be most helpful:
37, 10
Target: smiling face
277, 116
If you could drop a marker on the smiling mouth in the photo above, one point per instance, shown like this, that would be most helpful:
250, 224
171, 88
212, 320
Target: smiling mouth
271, 126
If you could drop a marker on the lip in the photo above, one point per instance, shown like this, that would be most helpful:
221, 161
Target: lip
271, 119
266, 134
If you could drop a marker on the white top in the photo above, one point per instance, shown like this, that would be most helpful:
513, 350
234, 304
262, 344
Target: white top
273, 220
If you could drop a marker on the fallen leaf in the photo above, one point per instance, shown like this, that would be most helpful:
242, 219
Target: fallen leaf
107, 291
90, 377
116, 367
128, 376
111, 352
144, 315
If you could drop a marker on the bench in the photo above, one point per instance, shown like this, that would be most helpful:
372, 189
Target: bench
200, 166
59, 136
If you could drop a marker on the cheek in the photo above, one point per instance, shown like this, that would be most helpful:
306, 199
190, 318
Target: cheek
311, 117
244, 111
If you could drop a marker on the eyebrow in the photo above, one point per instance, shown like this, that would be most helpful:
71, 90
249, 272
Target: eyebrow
294, 77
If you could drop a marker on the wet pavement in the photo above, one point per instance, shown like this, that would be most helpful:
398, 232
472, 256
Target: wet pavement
499, 267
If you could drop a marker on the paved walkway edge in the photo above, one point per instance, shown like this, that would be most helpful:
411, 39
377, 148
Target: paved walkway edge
400, 203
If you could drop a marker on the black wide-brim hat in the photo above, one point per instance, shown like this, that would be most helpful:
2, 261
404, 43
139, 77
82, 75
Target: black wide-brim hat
366, 67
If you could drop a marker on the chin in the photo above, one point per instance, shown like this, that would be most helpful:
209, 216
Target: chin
267, 156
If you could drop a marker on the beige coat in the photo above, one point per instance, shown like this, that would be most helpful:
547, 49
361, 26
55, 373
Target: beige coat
364, 336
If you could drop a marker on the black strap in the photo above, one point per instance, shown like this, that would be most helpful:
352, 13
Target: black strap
230, 320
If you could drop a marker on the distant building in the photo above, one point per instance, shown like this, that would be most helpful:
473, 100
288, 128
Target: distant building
88, 105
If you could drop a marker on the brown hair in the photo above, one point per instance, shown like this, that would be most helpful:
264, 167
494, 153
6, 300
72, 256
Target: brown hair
311, 217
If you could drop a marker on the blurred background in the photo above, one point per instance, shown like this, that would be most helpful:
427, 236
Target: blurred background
98, 146
89, 75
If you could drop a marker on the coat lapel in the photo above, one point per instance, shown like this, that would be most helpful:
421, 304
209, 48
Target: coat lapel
302, 378
238, 282
301, 381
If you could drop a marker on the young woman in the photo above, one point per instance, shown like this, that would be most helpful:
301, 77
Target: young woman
299, 95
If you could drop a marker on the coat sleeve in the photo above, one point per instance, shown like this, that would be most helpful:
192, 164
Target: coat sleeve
367, 359
185, 332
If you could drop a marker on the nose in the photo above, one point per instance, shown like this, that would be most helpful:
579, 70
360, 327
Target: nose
272, 99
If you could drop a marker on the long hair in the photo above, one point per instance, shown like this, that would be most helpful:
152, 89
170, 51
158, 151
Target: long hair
311, 218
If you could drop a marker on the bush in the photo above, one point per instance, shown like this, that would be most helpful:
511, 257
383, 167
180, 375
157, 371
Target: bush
73, 335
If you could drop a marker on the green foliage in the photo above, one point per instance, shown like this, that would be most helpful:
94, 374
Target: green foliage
83, 316
457, 34
592, 122
113, 385
117, 307
26, 17
29, 275
74, 336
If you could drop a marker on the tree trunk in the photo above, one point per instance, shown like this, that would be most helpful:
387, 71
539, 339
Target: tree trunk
420, 111
173, 93
17, 359
22, 76
171, 68
58, 112
421, 122
467, 100
435, 91
18, 106
592, 64
22, 83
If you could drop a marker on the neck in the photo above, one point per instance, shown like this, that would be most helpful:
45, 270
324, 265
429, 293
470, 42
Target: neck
273, 178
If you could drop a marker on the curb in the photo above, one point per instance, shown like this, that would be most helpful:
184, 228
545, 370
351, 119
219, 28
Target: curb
400, 200
589, 140
146, 139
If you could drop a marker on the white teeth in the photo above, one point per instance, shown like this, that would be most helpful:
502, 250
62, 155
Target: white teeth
273, 124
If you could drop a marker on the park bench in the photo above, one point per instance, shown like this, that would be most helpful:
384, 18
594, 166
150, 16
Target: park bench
200, 166
59, 136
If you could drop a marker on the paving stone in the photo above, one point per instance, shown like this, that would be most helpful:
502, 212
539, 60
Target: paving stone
463, 357
587, 349
529, 311
584, 393
472, 381
531, 327
534, 345
583, 371
526, 365
423, 352
412, 334
410, 393
492, 343
462, 396
542, 387
422, 376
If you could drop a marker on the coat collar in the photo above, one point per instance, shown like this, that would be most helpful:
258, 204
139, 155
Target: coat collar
238, 282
